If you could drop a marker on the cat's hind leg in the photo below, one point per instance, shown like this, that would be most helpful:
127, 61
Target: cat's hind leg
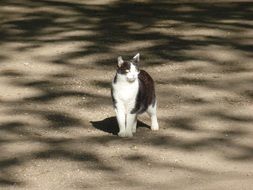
152, 113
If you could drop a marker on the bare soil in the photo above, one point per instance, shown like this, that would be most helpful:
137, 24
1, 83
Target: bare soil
57, 124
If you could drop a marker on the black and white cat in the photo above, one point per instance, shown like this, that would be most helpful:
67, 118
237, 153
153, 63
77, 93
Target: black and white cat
133, 93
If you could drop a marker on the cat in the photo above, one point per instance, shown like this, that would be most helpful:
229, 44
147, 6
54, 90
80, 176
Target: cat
133, 93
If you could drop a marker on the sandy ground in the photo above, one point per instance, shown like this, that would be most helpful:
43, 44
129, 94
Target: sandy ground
57, 124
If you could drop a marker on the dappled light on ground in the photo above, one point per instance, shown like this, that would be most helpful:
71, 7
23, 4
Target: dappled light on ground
57, 124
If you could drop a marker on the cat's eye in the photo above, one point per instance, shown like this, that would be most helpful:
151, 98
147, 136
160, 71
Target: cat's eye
127, 71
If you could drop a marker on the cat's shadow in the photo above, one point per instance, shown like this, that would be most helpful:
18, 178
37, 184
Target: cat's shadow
110, 125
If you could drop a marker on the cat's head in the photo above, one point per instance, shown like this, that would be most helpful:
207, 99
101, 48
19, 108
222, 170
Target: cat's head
129, 68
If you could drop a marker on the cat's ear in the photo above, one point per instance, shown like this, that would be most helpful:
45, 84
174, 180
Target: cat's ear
136, 58
120, 61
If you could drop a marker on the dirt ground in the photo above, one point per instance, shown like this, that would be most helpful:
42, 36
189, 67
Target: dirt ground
57, 124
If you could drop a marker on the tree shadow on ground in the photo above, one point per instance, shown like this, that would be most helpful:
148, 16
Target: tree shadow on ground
114, 24
164, 32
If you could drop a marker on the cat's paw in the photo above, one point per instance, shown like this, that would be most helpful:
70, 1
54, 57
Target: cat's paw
122, 134
129, 134
125, 134
155, 127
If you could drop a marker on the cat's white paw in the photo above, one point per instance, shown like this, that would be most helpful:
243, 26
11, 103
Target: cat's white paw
154, 124
122, 134
155, 127
129, 134
134, 130
125, 134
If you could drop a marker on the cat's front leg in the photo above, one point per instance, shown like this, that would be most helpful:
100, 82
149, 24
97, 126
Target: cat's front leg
130, 124
121, 118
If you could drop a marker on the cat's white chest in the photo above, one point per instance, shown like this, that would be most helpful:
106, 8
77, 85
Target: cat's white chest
126, 91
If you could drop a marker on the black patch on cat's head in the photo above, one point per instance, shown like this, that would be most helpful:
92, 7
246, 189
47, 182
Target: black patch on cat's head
126, 66
123, 67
